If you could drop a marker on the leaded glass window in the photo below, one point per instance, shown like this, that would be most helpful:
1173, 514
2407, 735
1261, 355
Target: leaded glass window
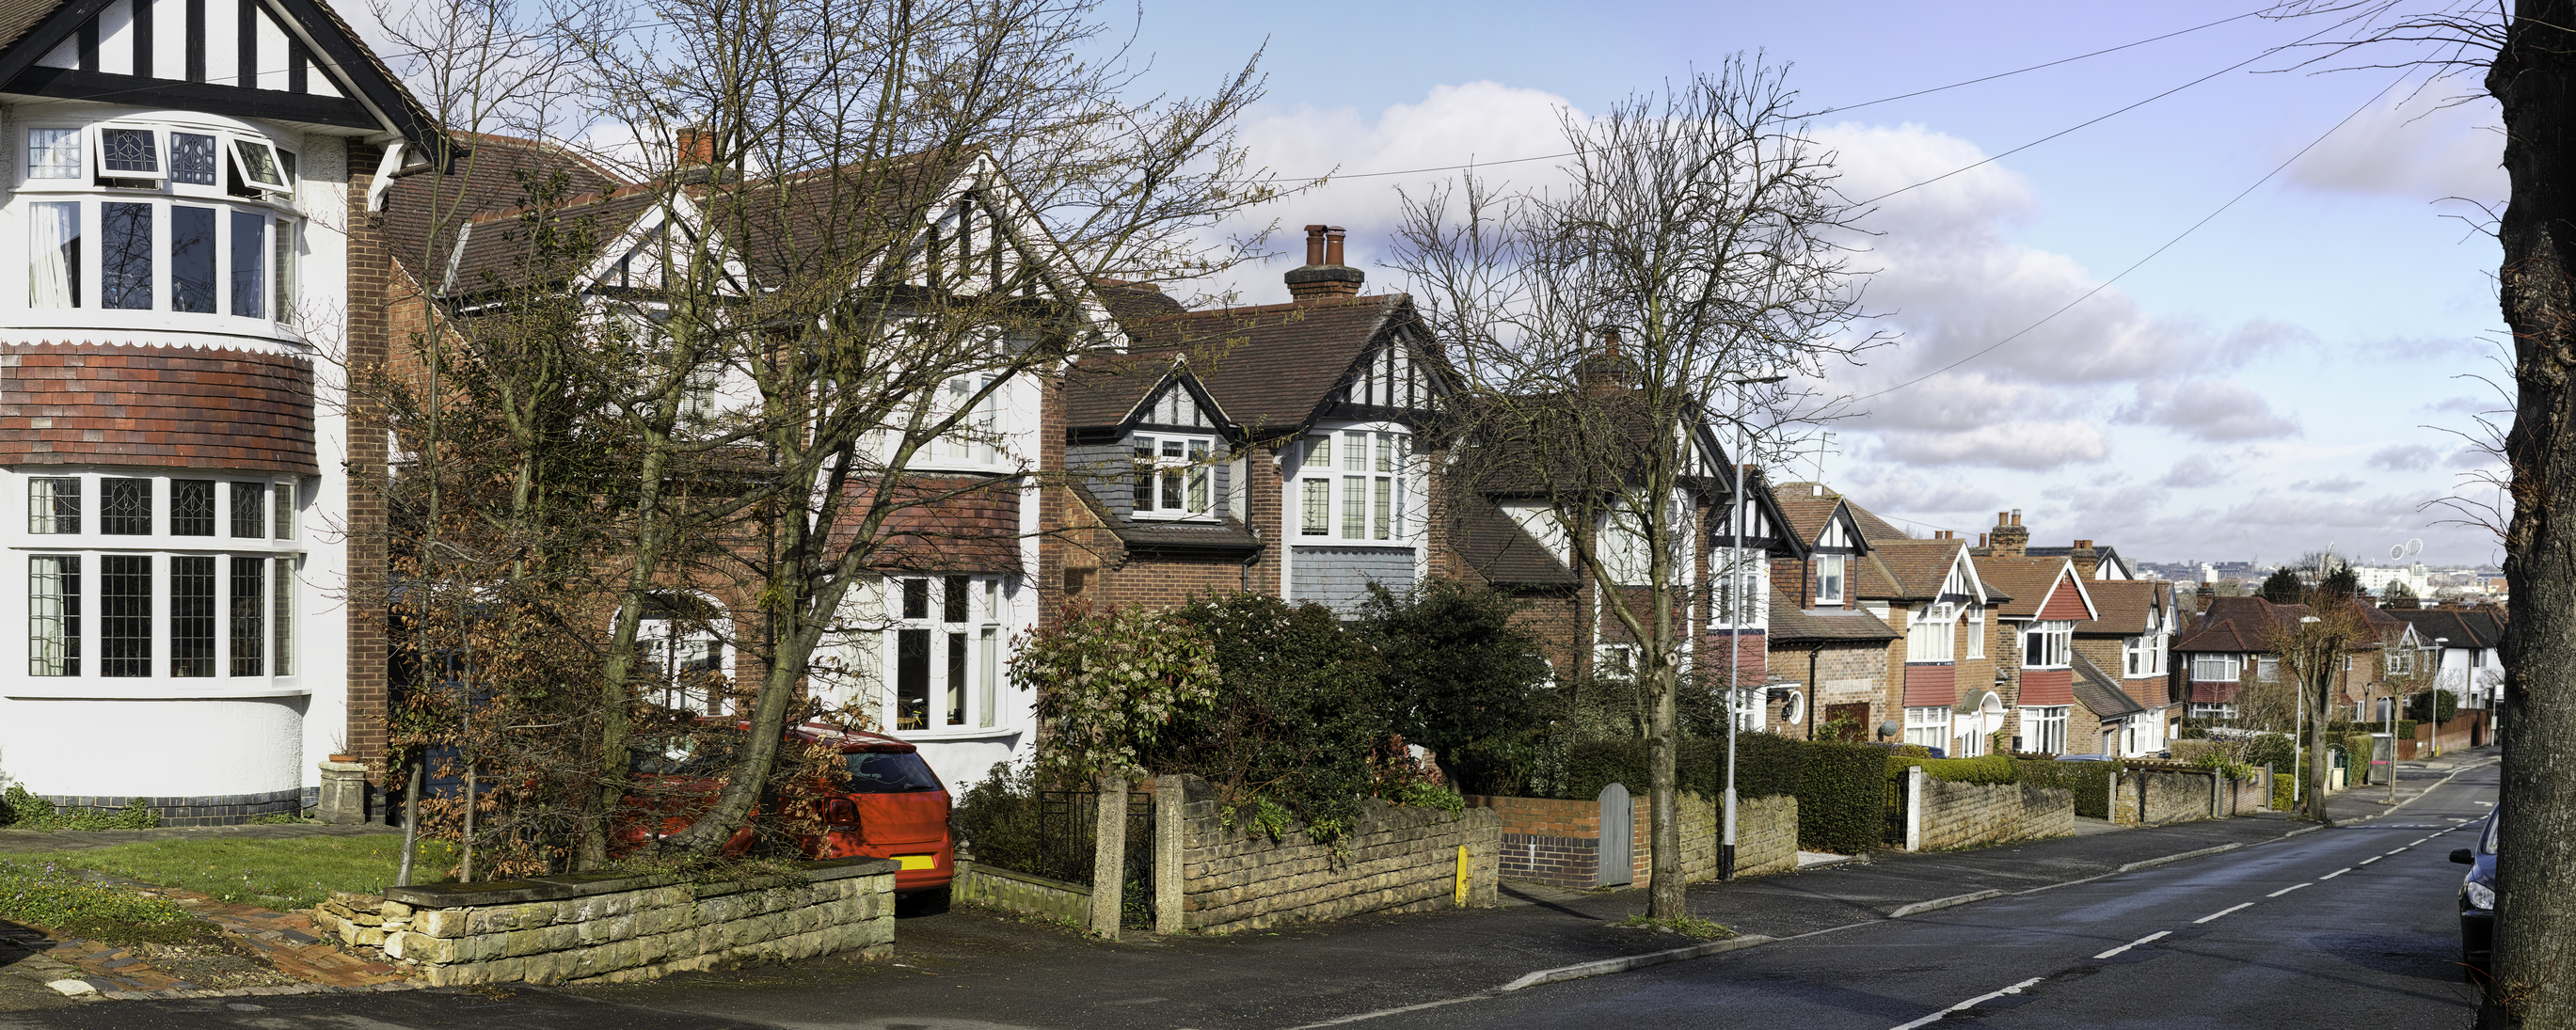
281, 659
125, 507
125, 616
192, 507
128, 152
192, 616
53, 615
53, 505
192, 159
249, 615
250, 510
53, 153
284, 512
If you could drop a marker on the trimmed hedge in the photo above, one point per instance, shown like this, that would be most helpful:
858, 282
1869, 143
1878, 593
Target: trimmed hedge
1840, 787
1981, 769
2091, 782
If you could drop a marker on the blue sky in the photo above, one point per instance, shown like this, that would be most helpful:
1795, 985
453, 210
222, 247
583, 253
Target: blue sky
2258, 390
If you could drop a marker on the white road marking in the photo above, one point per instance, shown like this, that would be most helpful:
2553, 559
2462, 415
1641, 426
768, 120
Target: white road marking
2336, 873
2420, 841
2222, 912
2372, 859
1969, 1004
2284, 890
2135, 943
2402, 849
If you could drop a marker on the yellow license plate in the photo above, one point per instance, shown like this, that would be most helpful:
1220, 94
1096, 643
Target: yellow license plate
917, 861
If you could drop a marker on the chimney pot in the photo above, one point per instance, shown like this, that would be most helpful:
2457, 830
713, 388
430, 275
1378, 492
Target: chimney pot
694, 146
1324, 276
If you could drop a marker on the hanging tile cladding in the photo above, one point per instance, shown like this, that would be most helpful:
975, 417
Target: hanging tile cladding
170, 406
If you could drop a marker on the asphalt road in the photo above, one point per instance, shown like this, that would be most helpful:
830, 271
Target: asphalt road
2352, 927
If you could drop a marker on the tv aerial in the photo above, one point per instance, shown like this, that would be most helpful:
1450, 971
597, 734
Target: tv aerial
2409, 549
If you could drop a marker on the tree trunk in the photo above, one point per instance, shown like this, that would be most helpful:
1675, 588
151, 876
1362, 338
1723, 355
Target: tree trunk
2534, 76
2318, 765
1664, 898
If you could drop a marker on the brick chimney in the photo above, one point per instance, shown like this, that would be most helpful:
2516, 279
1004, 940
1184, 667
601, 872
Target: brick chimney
2010, 539
2200, 598
2086, 558
694, 147
1607, 372
1324, 276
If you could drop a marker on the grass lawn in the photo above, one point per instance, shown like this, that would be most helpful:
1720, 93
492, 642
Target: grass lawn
287, 874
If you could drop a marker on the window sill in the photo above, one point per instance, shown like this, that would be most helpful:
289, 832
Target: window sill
957, 734
146, 688
1157, 516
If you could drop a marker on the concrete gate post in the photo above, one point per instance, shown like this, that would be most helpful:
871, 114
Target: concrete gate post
1914, 808
1109, 856
344, 794
1169, 796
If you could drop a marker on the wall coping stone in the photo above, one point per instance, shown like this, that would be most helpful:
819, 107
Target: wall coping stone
579, 885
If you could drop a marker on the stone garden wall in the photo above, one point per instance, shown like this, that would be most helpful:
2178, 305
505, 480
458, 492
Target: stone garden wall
2152, 796
1391, 860
1555, 841
1967, 815
612, 928
994, 886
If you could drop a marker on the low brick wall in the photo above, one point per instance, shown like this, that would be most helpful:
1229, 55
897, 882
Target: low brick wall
1968, 815
615, 928
1548, 840
1020, 892
1391, 860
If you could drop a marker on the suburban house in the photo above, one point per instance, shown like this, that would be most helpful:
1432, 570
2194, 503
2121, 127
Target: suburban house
1820, 633
2122, 679
1932, 589
1268, 448
2049, 597
2470, 640
194, 197
2228, 650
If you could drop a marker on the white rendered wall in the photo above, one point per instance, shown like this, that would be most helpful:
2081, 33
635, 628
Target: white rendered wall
196, 747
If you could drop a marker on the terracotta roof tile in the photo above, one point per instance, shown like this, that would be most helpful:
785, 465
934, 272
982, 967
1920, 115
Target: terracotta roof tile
1499, 550
2122, 605
2027, 580
1789, 622
1911, 569
1271, 366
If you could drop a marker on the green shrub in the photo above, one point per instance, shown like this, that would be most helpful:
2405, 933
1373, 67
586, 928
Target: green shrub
2090, 782
1460, 678
1594, 764
1981, 769
1766, 765
996, 823
1842, 798
22, 809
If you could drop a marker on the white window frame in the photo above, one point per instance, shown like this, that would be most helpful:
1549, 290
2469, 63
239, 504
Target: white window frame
976, 643
1928, 726
274, 612
676, 650
1830, 571
2044, 729
1931, 633
1616, 663
1191, 474
1752, 574
2233, 666
97, 143
1976, 631
2056, 644
1381, 477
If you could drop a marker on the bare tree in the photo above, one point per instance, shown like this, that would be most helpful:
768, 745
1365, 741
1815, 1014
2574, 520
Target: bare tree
1604, 327
2313, 647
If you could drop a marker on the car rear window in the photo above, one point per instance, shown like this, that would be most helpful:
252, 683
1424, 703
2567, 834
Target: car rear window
885, 772
707, 752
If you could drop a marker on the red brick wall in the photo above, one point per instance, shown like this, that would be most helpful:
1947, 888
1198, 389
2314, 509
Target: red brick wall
370, 311
184, 407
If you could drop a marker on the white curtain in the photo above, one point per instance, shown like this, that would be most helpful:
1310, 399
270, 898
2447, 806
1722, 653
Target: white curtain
53, 238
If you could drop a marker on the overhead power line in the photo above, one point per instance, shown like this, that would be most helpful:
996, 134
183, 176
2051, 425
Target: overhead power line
2151, 255
1869, 103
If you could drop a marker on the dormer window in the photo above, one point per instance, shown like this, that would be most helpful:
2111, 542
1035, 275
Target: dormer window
1829, 579
1173, 477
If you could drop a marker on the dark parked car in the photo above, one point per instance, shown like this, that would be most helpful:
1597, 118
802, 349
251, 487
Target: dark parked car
2477, 904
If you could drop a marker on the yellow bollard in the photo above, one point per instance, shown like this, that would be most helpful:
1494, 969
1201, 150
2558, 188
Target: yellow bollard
1462, 876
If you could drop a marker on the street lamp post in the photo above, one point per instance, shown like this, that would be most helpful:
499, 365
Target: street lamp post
1735, 622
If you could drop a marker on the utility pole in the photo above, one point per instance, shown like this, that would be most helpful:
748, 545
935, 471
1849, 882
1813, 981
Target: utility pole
1735, 588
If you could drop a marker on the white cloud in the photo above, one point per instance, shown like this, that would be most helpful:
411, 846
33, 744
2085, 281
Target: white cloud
2210, 409
2019, 445
2196, 470
2421, 146
2405, 458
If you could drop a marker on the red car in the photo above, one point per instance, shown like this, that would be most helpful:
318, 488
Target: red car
892, 805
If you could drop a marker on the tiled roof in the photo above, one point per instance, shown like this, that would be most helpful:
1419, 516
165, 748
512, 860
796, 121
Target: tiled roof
2027, 580
1499, 550
1270, 366
499, 251
19, 17
1148, 535
1102, 389
2239, 624
2121, 606
2100, 694
2477, 628
1543, 444
962, 524
1805, 509
423, 212
1130, 302
1789, 622
1872, 527
186, 407
1909, 569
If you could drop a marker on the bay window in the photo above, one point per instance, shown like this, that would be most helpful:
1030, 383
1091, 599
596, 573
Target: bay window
2214, 668
2044, 729
191, 227
1928, 726
1352, 486
947, 639
1930, 632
